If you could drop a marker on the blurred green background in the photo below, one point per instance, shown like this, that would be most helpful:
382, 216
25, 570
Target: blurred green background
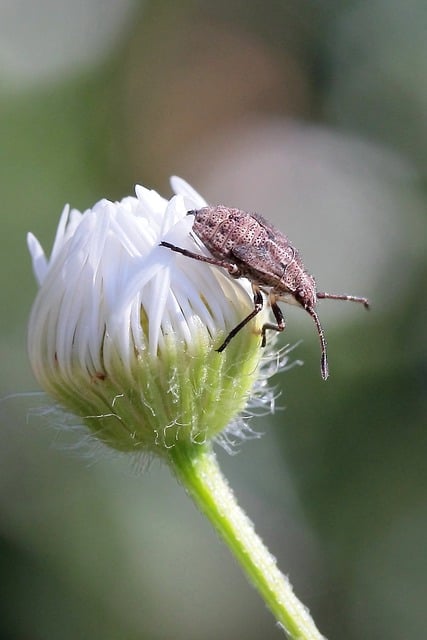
314, 114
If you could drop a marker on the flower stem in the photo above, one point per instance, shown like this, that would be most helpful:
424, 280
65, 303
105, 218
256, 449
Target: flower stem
197, 469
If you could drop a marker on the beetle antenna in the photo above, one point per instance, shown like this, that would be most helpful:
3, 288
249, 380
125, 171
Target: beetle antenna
323, 358
322, 295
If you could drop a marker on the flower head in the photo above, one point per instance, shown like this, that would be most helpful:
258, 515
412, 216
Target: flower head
123, 331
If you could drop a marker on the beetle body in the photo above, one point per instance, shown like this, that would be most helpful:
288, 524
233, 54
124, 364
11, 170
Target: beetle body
262, 253
248, 246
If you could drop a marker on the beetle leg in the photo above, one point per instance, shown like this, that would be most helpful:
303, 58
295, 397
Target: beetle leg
338, 296
280, 326
258, 305
232, 268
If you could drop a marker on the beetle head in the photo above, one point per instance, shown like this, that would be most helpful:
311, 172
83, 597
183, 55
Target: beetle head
305, 292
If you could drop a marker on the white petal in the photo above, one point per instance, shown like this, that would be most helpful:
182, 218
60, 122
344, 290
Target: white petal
193, 200
38, 258
60, 232
110, 289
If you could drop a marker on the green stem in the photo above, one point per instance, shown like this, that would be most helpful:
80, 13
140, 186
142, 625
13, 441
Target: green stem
198, 470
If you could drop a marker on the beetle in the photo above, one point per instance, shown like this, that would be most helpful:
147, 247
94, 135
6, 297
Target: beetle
248, 246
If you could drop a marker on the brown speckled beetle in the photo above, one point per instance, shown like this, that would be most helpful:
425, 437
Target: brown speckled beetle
248, 246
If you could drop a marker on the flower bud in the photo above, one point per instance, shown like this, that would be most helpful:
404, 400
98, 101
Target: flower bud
123, 331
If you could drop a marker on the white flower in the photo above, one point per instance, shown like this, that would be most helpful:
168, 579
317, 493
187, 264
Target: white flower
123, 331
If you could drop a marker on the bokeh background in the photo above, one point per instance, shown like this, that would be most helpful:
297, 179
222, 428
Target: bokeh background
315, 114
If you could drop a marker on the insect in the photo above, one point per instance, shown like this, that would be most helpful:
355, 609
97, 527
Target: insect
248, 246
